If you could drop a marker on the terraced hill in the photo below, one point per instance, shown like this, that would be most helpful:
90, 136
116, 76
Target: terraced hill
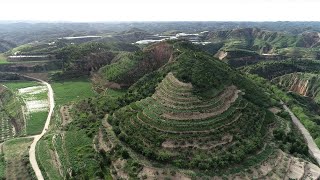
180, 120
180, 130
186, 116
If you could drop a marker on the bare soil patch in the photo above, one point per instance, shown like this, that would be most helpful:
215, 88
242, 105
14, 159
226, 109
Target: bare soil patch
150, 173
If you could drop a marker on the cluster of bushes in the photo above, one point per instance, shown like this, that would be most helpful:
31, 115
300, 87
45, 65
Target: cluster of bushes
10, 77
289, 138
89, 112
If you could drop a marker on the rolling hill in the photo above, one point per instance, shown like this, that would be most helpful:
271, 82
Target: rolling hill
199, 105
127, 68
6, 45
199, 118
251, 42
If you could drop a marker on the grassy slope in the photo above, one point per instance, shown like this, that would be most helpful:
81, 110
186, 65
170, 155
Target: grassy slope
64, 92
45, 157
16, 147
24, 47
115, 71
14, 153
72, 90
80, 153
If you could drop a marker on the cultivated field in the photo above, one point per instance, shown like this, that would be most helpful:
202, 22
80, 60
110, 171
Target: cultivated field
48, 158
35, 99
7, 131
69, 91
57, 152
16, 159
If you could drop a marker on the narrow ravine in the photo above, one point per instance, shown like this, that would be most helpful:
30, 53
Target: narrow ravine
32, 151
312, 146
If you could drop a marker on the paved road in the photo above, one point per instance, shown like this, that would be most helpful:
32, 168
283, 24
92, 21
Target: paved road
313, 148
32, 151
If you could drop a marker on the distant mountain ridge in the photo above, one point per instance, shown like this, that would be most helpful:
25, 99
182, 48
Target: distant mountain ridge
262, 40
6, 45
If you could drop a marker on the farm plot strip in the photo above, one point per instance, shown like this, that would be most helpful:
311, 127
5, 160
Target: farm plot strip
32, 152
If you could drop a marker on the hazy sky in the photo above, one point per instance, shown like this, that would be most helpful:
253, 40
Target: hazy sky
160, 10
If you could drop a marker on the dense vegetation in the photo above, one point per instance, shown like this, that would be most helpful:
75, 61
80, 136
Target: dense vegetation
10, 77
170, 110
81, 60
305, 108
188, 67
129, 68
170, 115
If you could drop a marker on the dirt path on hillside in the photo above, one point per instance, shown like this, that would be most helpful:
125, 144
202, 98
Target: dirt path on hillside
65, 114
313, 148
32, 151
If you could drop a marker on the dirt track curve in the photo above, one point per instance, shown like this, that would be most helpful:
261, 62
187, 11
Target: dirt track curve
313, 148
32, 151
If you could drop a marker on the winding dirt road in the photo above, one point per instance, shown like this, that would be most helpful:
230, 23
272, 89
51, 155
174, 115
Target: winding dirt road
313, 148
32, 151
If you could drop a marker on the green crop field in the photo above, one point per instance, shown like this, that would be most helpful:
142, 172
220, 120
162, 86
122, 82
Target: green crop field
75, 152
44, 154
36, 122
72, 91
18, 85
